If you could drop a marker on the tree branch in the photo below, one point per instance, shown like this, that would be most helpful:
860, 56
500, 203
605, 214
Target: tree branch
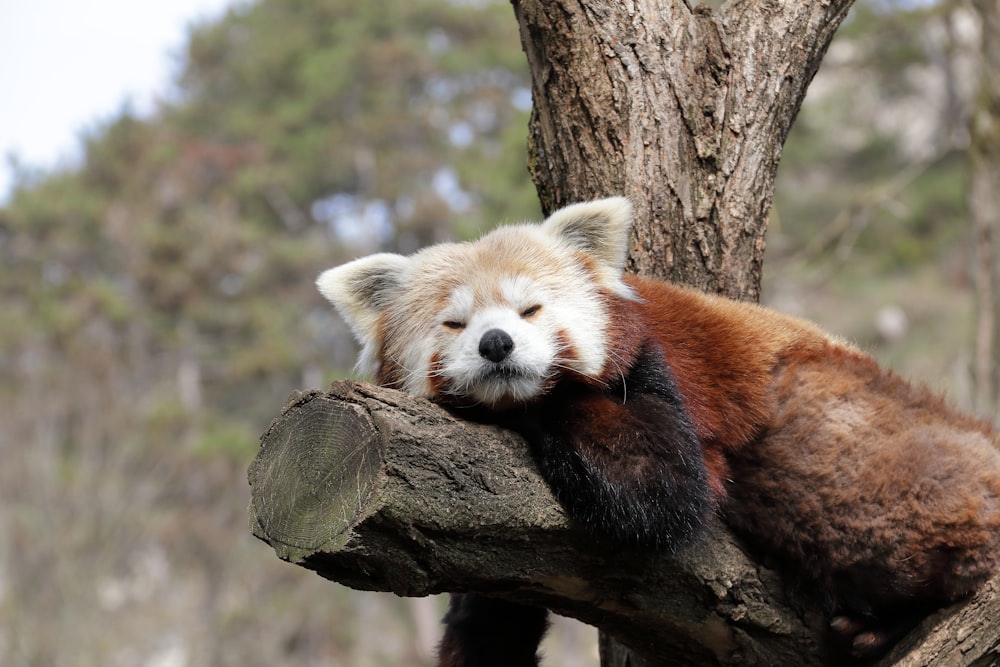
381, 491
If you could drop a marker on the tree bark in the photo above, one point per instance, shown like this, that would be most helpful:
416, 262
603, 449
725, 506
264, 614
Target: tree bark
984, 208
381, 491
684, 110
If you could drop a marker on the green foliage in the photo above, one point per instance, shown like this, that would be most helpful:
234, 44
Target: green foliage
361, 99
227, 438
876, 156
159, 304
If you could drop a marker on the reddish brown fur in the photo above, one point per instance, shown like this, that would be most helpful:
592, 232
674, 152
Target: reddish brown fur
436, 379
879, 491
721, 362
889, 490
719, 358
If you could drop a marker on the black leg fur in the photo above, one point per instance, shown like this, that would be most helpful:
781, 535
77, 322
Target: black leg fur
624, 461
489, 632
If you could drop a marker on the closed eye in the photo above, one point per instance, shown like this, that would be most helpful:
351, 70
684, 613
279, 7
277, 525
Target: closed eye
531, 312
454, 325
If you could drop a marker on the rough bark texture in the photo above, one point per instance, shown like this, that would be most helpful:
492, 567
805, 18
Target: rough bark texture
451, 505
984, 208
381, 491
683, 109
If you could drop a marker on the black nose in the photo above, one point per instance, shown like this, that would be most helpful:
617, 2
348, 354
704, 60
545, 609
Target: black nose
495, 345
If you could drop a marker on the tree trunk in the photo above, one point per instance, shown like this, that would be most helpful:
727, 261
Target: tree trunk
984, 208
682, 109
381, 491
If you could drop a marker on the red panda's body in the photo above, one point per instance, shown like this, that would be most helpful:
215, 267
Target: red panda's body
722, 354
877, 491
648, 406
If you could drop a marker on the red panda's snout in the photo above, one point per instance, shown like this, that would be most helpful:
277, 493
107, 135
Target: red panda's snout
497, 358
508, 341
495, 345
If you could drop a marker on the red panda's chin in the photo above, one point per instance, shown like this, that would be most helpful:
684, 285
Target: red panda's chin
500, 390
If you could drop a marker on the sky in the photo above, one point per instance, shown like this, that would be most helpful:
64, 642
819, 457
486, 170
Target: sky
66, 66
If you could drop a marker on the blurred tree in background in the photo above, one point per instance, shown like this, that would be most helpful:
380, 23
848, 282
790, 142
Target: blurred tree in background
870, 232
984, 208
159, 306
158, 300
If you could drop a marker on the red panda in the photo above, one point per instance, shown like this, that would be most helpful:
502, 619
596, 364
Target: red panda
649, 406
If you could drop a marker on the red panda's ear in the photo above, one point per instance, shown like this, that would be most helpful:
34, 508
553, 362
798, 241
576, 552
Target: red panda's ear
599, 228
360, 290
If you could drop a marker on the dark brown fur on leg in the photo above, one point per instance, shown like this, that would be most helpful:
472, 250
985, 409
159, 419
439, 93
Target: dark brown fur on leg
624, 461
489, 632
868, 638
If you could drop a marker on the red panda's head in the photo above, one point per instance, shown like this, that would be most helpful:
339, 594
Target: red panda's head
495, 321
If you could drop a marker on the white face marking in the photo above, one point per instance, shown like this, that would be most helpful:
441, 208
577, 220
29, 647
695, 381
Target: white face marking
547, 328
435, 336
520, 373
459, 307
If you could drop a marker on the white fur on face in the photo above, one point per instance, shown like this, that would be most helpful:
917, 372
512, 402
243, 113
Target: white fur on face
566, 334
533, 359
421, 319
519, 377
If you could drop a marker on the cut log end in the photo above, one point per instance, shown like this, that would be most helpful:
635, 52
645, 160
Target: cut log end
315, 473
